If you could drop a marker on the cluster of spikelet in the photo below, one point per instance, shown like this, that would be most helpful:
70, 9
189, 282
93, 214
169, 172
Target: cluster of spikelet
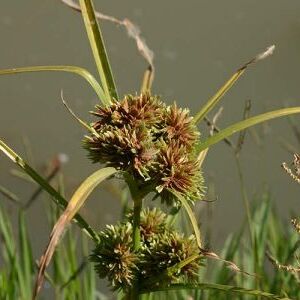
154, 143
161, 248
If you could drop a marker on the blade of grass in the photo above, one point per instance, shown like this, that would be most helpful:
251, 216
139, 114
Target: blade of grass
191, 217
69, 258
170, 271
28, 150
8, 252
216, 130
133, 32
294, 125
7, 240
81, 122
261, 219
77, 200
56, 164
9, 195
245, 124
25, 267
75, 274
59, 275
213, 286
213, 101
57, 197
89, 277
201, 157
69, 69
229, 252
20, 174
98, 49
242, 135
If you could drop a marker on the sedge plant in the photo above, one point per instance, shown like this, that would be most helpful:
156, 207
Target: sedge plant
157, 150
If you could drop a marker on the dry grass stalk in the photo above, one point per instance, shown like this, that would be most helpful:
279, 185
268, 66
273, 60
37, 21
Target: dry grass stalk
132, 30
288, 268
294, 174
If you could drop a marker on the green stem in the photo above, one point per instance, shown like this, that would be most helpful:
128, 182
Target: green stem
245, 197
248, 214
137, 197
136, 223
249, 221
137, 207
98, 49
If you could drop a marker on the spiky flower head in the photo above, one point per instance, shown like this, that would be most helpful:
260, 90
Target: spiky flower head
152, 223
179, 126
114, 258
168, 251
152, 142
162, 247
179, 172
124, 148
132, 110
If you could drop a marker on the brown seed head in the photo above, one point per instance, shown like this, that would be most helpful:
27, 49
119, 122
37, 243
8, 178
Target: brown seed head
179, 172
179, 126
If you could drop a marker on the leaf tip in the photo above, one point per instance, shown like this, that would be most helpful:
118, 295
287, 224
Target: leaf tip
268, 52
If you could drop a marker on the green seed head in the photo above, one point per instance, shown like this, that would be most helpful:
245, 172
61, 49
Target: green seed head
161, 248
114, 258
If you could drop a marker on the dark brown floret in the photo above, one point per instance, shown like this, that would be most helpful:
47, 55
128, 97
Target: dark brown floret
123, 148
132, 110
151, 141
179, 171
179, 126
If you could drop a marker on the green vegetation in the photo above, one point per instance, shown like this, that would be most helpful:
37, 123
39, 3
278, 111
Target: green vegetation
157, 151
73, 277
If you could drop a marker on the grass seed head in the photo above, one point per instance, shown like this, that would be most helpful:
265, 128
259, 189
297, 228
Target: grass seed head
114, 258
168, 250
153, 142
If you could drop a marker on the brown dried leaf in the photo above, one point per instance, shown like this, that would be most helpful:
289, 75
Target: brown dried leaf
132, 30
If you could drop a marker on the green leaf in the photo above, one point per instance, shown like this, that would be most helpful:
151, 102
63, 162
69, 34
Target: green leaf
218, 287
191, 217
57, 197
99, 51
245, 124
77, 200
9, 195
85, 189
69, 69
8, 255
7, 239
213, 101
25, 266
